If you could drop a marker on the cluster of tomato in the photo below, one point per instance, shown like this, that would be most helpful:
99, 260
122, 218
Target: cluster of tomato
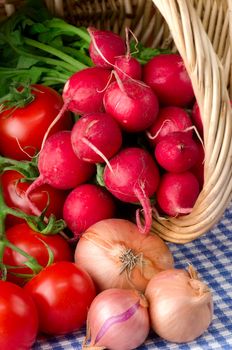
57, 299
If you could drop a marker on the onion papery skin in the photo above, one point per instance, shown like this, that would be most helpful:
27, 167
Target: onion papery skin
180, 305
118, 319
104, 248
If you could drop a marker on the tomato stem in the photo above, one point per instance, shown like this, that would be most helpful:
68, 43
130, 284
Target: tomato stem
31, 262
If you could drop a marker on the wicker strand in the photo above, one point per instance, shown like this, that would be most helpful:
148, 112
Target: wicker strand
230, 40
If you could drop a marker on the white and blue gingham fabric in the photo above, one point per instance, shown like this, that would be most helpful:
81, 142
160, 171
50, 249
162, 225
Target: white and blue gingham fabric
211, 255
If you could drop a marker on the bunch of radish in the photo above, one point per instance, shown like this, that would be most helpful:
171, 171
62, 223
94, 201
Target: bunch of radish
117, 100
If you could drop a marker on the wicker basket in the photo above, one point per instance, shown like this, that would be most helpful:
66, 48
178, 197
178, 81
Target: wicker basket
201, 30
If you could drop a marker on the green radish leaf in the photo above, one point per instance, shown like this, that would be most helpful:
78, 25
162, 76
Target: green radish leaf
144, 54
26, 62
37, 28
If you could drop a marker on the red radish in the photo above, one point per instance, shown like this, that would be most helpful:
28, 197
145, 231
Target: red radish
169, 119
177, 193
83, 93
167, 76
128, 67
133, 178
177, 152
105, 46
84, 90
85, 205
96, 137
132, 104
196, 117
198, 168
59, 166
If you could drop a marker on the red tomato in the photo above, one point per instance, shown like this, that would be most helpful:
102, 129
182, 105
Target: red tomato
23, 237
63, 293
18, 318
28, 124
14, 197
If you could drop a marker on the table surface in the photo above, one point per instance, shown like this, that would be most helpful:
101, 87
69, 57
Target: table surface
211, 255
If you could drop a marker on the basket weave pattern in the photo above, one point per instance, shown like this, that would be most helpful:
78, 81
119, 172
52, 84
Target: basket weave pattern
201, 30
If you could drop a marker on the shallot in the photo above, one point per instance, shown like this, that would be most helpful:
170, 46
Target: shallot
117, 320
180, 305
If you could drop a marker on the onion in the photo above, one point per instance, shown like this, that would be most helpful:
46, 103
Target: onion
116, 255
118, 319
180, 305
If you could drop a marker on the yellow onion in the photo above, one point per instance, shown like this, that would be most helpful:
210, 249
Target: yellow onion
117, 255
117, 320
180, 305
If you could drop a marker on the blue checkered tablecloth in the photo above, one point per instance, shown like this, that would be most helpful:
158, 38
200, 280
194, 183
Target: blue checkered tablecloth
211, 255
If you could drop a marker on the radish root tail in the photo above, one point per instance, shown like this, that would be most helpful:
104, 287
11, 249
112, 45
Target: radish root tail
146, 208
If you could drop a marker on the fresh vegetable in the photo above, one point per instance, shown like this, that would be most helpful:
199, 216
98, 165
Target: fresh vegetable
96, 137
38, 222
82, 93
45, 196
177, 193
187, 302
135, 146
85, 205
62, 293
133, 177
18, 318
117, 319
167, 76
84, 90
116, 255
36, 245
22, 126
177, 152
59, 166
170, 119
105, 46
132, 103
128, 66
143, 53
38, 48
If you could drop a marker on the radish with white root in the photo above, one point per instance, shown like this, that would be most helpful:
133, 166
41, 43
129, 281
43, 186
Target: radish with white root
84, 90
59, 166
169, 119
105, 46
168, 77
85, 205
177, 193
83, 93
132, 103
133, 177
96, 137
177, 152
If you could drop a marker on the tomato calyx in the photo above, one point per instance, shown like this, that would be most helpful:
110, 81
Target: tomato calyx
28, 168
37, 223
19, 96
